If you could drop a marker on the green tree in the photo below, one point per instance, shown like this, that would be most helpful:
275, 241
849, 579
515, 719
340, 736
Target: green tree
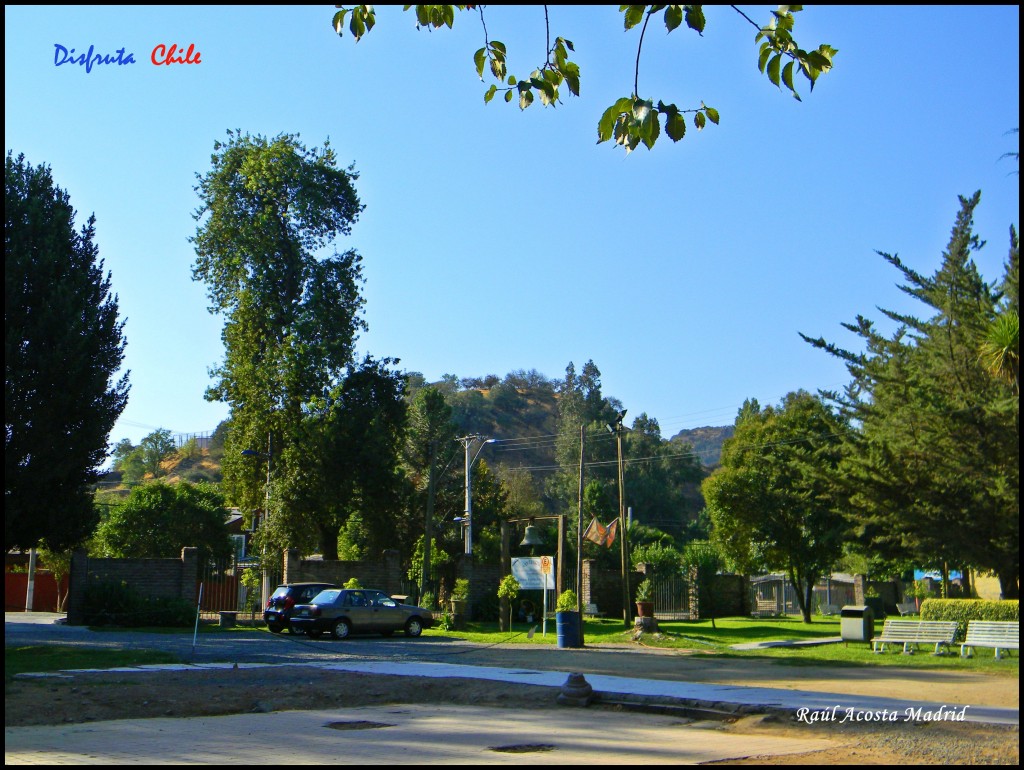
346, 458
430, 449
154, 449
63, 347
934, 470
291, 317
631, 120
701, 561
773, 502
158, 520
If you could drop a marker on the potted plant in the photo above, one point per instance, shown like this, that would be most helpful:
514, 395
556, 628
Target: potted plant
459, 596
567, 620
645, 599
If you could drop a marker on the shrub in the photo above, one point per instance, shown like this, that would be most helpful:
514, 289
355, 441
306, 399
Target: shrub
645, 591
428, 601
964, 610
461, 590
116, 604
353, 583
567, 602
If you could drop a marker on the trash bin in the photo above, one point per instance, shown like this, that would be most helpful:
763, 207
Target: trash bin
857, 623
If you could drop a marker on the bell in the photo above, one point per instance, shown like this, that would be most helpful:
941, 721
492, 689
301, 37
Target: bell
532, 536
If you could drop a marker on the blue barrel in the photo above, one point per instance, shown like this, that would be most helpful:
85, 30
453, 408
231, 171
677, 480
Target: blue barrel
568, 627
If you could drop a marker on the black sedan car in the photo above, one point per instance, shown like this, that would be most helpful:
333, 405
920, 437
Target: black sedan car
282, 602
346, 611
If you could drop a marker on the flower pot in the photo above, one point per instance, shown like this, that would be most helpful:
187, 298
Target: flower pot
645, 609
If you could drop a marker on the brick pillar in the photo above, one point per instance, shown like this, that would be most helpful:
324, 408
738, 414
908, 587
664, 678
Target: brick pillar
587, 588
292, 559
860, 584
78, 579
189, 573
392, 572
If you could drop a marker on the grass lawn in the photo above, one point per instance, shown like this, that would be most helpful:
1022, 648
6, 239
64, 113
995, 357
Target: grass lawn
18, 660
699, 635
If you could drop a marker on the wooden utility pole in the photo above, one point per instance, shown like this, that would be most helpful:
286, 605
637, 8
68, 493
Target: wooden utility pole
428, 527
579, 542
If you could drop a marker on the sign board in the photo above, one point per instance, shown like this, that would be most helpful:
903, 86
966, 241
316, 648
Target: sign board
529, 571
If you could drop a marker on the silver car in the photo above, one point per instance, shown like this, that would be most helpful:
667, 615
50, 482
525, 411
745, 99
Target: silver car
347, 611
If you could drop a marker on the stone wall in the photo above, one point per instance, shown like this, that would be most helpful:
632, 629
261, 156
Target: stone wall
154, 578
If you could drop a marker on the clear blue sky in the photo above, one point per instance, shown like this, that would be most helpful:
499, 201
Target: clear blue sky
496, 240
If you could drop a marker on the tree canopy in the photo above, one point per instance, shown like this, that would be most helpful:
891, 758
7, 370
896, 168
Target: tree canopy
773, 503
934, 470
158, 520
268, 208
632, 120
63, 347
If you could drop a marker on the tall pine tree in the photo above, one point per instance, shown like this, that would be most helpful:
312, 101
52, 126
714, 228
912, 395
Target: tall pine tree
934, 471
63, 346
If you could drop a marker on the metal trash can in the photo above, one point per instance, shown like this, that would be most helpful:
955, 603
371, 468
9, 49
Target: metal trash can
857, 623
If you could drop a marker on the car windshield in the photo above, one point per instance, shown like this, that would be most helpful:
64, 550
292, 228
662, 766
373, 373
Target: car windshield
328, 596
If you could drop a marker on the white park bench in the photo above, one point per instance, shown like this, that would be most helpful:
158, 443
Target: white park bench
998, 634
911, 633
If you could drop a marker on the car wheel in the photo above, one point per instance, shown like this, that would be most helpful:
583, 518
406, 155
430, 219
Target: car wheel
295, 631
275, 628
341, 629
413, 627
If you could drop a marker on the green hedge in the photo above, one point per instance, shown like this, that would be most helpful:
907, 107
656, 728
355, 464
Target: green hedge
963, 610
116, 604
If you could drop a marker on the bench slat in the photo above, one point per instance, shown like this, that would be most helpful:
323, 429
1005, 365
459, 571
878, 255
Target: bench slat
913, 632
998, 634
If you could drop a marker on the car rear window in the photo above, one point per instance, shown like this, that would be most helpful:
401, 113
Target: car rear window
326, 597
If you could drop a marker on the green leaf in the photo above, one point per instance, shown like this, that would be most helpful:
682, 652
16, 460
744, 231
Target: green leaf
787, 76
339, 21
479, 59
695, 18
489, 93
498, 47
773, 68
698, 121
449, 15
712, 114
509, 95
634, 14
606, 125
498, 67
650, 129
762, 59
572, 77
673, 17
525, 98
675, 127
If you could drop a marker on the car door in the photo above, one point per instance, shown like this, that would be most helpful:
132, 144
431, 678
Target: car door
360, 611
387, 615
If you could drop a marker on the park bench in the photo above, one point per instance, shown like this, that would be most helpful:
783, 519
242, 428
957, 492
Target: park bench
911, 633
998, 634
765, 608
590, 610
907, 608
830, 609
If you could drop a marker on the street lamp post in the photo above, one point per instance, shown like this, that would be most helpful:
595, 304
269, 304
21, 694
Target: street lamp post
467, 519
617, 429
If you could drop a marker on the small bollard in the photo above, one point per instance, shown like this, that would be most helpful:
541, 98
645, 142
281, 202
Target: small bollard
576, 691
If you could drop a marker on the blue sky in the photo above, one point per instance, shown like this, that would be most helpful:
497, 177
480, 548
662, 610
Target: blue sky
495, 239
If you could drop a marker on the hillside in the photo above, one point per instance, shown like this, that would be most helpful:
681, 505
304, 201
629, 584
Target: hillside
706, 442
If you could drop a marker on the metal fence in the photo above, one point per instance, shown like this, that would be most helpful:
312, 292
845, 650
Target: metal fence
671, 597
224, 591
772, 595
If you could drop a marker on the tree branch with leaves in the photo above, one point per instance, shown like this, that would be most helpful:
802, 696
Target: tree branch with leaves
631, 120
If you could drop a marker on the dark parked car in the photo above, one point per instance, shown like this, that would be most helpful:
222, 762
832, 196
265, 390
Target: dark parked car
282, 603
345, 611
